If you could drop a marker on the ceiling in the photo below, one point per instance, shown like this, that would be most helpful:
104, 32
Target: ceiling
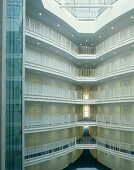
34, 7
86, 9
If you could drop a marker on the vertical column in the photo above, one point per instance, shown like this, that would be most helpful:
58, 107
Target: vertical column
2, 81
14, 78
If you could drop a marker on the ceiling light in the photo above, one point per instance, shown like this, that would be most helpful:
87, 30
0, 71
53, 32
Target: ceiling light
78, 63
40, 14
99, 36
38, 43
72, 35
132, 17
86, 40
38, 72
57, 51
132, 45
112, 28
86, 47
58, 25
92, 44
80, 44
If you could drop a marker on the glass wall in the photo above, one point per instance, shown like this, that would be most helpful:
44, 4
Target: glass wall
14, 58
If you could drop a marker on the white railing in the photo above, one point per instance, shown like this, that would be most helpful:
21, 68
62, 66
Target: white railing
51, 148
35, 121
116, 119
49, 120
47, 32
53, 92
118, 63
48, 61
113, 93
116, 39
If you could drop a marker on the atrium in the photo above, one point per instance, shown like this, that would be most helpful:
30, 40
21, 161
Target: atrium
67, 84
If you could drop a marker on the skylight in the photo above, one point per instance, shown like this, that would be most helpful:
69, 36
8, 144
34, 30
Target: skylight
86, 9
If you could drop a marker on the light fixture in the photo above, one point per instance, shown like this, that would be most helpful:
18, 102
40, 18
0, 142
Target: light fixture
57, 51
80, 44
72, 35
86, 40
112, 28
58, 25
132, 45
92, 44
38, 72
132, 17
86, 47
40, 14
78, 63
99, 36
38, 43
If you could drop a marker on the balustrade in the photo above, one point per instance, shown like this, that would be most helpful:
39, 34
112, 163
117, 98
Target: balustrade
34, 121
116, 39
51, 148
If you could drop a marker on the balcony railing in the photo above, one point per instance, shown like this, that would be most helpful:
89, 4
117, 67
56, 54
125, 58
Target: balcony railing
117, 38
126, 92
46, 122
47, 32
111, 42
122, 93
48, 61
116, 119
53, 92
60, 146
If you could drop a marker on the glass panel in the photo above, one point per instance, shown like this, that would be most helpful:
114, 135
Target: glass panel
86, 12
14, 55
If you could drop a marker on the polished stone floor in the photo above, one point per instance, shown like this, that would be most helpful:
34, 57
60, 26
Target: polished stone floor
86, 162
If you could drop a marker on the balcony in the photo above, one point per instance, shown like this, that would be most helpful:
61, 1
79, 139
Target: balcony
38, 92
46, 62
37, 154
36, 29
49, 122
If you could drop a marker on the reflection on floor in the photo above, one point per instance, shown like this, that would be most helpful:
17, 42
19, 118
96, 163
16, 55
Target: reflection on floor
86, 162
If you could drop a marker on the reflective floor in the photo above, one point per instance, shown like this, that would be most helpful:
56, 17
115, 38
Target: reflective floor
86, 162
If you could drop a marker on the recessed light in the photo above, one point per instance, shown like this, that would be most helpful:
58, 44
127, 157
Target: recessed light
132, 45
78, 63
86, 47
38, 43
92, 44
86, 40
112, 28
40, 14
99, 36
132, 17
80, 44
38, 72
72, 35
58, 25
57, 51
